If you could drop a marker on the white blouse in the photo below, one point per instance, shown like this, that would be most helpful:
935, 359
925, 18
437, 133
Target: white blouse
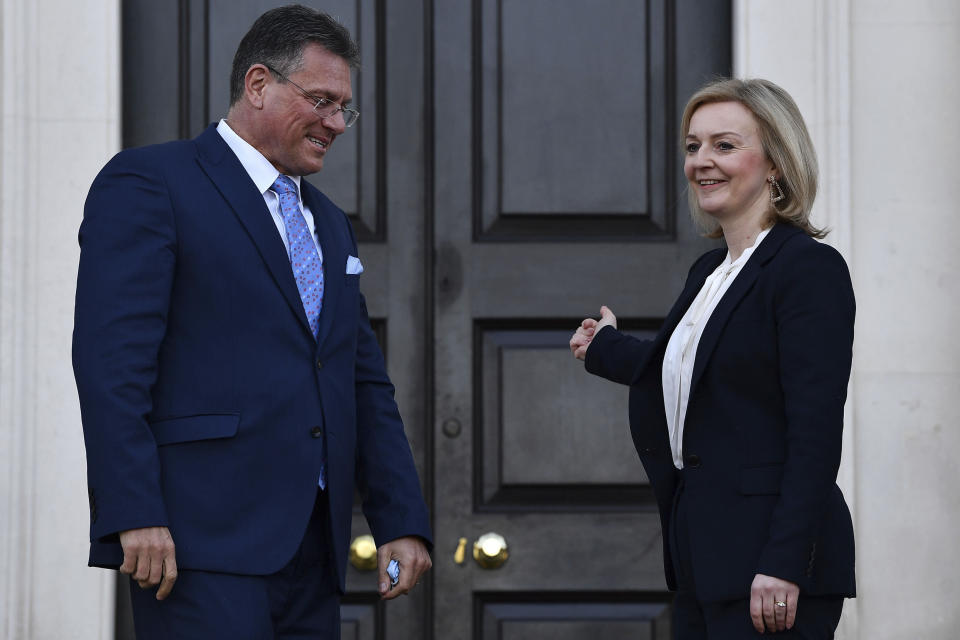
682, 348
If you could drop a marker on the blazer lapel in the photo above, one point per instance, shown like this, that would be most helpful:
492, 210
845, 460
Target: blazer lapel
690, 291
228, 175
334, 257
741, 285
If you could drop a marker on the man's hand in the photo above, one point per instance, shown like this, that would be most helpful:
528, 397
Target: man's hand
149, 558
583, 336
414, 561
765, 592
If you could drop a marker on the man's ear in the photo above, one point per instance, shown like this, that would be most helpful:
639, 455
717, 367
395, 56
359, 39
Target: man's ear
255, 84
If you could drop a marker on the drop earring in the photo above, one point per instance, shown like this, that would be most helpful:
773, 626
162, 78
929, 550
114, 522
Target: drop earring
776, 193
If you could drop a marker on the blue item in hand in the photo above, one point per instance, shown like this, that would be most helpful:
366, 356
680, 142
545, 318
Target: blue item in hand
393, 570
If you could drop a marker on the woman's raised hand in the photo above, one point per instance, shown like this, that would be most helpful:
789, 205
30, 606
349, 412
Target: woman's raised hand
583, 336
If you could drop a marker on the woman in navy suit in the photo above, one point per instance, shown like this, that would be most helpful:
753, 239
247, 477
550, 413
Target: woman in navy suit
736, 407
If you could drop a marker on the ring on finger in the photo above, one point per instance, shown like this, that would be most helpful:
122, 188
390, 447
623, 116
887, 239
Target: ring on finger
780, 604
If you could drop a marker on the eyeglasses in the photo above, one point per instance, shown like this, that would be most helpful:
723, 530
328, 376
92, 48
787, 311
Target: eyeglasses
323, 107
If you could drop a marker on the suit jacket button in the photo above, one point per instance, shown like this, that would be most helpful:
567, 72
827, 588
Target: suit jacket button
319, 364
692, 461
316, 432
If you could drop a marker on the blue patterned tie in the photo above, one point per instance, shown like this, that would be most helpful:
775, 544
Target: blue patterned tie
307, 268
306, 264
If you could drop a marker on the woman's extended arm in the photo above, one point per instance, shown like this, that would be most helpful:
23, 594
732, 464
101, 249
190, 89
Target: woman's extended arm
607, 352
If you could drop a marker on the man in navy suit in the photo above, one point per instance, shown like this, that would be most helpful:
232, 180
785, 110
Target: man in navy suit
233, 394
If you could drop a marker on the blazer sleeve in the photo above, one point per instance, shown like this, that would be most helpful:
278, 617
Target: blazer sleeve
127, 261
619, 357
622, 358
815, 311
616, 356
387, 477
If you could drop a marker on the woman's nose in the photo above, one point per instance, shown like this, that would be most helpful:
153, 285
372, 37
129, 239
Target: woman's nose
702, 158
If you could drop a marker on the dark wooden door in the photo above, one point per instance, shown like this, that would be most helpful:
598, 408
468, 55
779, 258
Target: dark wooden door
557, 188
516, 165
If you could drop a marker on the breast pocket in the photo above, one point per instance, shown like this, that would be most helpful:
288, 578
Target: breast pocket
208, 426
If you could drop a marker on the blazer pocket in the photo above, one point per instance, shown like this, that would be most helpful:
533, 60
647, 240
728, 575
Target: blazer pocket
352, 279
761, 481
208, 426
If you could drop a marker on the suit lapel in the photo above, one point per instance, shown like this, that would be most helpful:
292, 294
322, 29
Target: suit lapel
334, 256
690, 291
738, 289
231, 180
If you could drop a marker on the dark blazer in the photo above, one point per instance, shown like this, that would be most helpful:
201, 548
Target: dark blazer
762, 435
207, 404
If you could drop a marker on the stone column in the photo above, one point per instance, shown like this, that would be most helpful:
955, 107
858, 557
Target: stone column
60, 123
905, 66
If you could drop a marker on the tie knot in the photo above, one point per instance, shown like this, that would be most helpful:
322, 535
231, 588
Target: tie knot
283, 186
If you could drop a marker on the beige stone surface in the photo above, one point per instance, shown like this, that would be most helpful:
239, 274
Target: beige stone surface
905, 87
60, 122
909, 507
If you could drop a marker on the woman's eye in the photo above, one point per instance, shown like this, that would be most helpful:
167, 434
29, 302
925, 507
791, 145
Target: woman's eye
724, 146
692, 147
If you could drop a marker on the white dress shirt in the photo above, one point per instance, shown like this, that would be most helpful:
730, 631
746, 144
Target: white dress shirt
681, 350
264, 175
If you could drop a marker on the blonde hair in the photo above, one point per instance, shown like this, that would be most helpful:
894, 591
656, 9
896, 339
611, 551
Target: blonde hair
786, 143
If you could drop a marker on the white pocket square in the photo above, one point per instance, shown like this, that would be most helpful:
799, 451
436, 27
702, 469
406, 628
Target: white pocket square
354, 266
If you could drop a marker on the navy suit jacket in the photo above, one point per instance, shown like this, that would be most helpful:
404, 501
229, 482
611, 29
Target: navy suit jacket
764, 423
207, 404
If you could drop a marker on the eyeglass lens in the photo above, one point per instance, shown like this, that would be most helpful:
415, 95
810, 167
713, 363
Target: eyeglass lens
331, 108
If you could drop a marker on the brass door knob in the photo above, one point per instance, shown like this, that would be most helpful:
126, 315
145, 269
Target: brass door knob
363, 553
490, 551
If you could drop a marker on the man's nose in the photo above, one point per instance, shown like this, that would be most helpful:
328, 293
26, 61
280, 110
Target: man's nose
335, 122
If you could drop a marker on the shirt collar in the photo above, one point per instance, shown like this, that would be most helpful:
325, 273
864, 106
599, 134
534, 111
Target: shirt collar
256, 165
